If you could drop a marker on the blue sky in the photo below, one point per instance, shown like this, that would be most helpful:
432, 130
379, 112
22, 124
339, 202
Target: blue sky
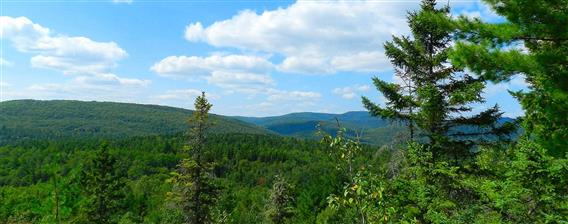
253, 58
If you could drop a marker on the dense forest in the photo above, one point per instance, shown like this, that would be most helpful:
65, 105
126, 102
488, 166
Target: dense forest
451, 163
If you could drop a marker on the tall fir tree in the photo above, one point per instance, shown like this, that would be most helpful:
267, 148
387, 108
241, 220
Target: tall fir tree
494, 51
103, 186
194, 188
435, 96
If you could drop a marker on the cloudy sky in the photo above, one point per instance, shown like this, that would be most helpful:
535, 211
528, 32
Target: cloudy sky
253, 58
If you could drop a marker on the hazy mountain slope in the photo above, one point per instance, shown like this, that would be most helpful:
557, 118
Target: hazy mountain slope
304, 125
63, 118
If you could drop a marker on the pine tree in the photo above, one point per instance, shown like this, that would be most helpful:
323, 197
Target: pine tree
279, 207
492, 51
103, 187
194, 187
437, 97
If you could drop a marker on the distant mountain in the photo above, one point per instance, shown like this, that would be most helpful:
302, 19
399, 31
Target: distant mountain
304, 125
32, 119
65, 118
361, 119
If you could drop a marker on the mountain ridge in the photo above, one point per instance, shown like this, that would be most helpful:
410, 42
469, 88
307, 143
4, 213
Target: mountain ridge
23, 119
72, 118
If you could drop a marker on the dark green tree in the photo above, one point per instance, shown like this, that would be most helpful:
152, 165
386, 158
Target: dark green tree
195, 190
496, 53
437, 96
401, 97
103, 187
280, 204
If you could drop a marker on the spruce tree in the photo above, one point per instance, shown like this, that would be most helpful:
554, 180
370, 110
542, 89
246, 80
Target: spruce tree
194, 188
437, 96
492, 51
103, 186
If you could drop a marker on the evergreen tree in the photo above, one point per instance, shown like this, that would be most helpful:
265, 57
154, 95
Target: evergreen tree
437, 96
401, 97
194, 187
492, 51
279, 207
103, 187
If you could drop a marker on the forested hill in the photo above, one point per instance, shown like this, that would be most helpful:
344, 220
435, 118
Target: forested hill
360, 119
304, 125
22, 119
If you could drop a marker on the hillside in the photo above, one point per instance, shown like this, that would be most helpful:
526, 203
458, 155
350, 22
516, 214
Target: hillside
304, 125
373, 130
64, 118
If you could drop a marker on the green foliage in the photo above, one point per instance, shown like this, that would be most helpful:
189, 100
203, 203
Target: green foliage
59, 119
103, 187
244, 165
223, 178
194, 188
434, 95
363, 191
304, 125
525, 184
280, 203
532, 43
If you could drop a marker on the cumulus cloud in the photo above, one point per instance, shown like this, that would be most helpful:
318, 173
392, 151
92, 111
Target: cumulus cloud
98, 82
241, 82
350, 92
242, 73
70, 55
320, 37
89, 62
192, 66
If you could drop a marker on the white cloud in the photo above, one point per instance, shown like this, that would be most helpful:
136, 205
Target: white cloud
366, 61
314, 37
4, 62
477, 10
192, 66
350, 92
183, 94
275, 95
70, 55
90, 62
96, 83
518, 82
4, 84
242, 73
306, 65
105, 87
111, 80
123, 1
194, 32
279, 102
282, 102
241, 82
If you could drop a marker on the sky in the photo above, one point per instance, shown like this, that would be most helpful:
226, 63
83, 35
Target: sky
251, 57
